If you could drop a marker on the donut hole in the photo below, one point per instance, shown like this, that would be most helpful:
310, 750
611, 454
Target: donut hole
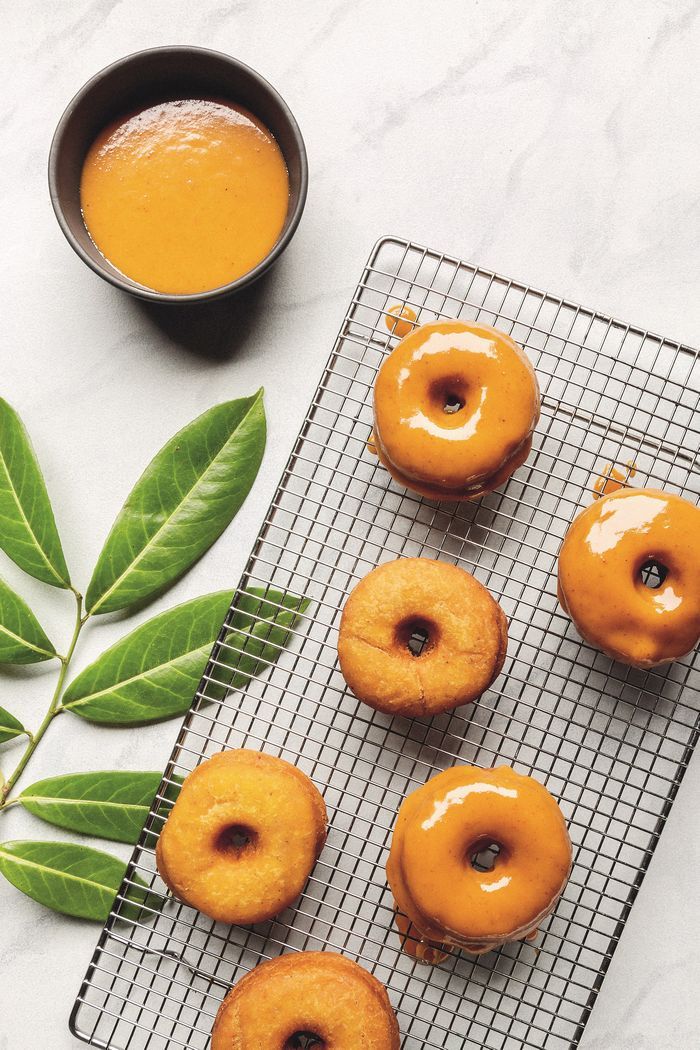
653, 573
453, 403
304, 1041
449, 395
236, 840
417, 635
483, 855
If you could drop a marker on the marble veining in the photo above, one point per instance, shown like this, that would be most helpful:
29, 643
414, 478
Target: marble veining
554, 140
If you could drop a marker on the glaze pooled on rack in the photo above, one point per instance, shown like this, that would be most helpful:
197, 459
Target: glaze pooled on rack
443, 825
455, 407
415, 946
612, 478
400, 320
601, 576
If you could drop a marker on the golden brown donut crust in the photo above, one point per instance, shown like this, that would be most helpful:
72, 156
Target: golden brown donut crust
441, 824
274, 804
467, 629
600, 583
462, 454
319, 992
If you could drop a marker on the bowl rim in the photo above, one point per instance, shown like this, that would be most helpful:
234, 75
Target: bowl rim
125, 283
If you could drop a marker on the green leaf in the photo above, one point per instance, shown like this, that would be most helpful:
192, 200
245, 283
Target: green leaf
28, 532
71, 879
245, 654
153, 673
22, 638
182, 503
10, 727
108, 804
263, 603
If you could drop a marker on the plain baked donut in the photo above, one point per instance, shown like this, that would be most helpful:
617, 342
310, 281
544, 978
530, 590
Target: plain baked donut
317, 993
242, 837
455, 407
439, 829
600, 576
466, 630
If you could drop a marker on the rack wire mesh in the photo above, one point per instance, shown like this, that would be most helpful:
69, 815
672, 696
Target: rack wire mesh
610, 742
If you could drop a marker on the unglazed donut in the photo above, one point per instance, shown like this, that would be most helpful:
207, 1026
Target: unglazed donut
466, 628
242, 837
600, 576
443, 824
455, 407
309, 992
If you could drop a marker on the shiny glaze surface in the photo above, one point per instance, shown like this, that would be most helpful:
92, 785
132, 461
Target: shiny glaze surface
441, 825
320, 992
400, 320
459, 453
185, 196
600, 583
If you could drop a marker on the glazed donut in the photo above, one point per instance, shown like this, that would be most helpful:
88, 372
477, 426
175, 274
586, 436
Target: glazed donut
467, 636
242, 837
455, 407
317, 993
439, 829
600, 576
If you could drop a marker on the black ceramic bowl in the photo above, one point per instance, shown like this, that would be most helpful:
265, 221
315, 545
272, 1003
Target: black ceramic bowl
140, 80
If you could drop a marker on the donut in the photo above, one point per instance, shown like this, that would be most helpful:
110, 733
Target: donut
440, 829
601, 586
242, 837
402, 600
308, 993
455, 407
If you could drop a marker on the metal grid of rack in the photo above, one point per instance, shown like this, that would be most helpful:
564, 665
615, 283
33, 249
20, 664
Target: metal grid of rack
611, 743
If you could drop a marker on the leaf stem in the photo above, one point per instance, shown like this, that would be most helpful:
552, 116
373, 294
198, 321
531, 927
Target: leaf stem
53, 709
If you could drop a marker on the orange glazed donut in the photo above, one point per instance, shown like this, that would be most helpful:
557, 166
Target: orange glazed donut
310, 993
455, 406
242, 837
600, 576
444, 824
467, 636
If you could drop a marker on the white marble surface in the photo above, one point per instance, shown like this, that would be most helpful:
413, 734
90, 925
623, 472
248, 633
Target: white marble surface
552, 140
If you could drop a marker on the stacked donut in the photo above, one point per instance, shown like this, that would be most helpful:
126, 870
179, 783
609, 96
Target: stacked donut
441, 830
455, 407
601, 576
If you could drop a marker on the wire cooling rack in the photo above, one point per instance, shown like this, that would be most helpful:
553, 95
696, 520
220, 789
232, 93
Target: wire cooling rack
611, 743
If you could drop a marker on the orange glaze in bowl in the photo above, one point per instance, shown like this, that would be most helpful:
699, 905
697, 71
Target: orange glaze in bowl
185, 196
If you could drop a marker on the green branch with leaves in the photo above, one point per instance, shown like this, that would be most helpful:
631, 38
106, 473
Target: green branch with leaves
184, 500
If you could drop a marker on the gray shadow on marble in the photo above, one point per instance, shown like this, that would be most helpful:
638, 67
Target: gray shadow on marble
214, 331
